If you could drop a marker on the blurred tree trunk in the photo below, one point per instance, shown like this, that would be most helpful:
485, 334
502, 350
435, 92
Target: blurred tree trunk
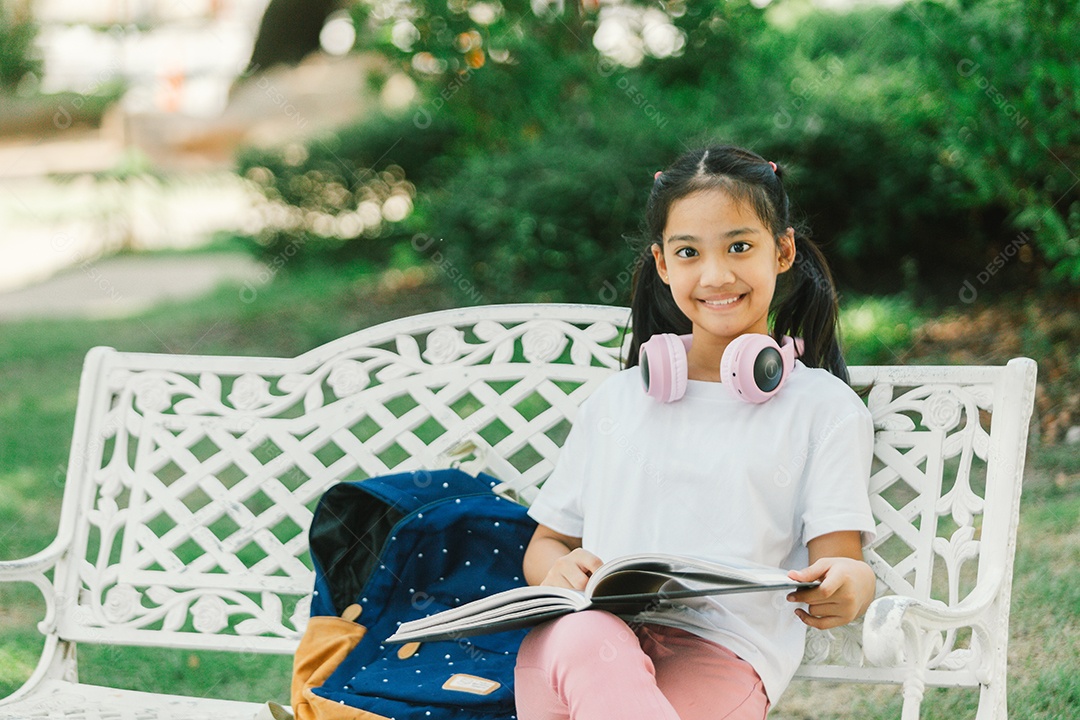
288, 32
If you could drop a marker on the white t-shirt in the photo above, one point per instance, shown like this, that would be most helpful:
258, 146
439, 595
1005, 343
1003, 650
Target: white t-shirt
713, 476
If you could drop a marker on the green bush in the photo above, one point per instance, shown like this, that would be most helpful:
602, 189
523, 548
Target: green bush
1011, 139
529, 155
550, 221
16, 51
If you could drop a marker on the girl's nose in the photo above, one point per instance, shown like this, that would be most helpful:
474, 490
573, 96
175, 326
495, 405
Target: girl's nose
716, 272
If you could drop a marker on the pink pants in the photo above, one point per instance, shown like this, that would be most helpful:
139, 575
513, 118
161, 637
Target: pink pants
592, 666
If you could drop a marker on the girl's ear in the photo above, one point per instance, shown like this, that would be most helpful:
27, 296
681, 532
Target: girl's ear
786, 251
661, 264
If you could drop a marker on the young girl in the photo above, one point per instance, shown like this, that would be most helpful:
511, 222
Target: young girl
781, 482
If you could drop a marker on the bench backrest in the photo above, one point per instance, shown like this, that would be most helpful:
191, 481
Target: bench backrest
193, 479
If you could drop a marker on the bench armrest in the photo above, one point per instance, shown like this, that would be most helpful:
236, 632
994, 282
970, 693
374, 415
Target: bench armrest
899, 630
32, 569
27, 568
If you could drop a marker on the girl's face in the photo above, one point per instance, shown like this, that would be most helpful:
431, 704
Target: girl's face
721, 263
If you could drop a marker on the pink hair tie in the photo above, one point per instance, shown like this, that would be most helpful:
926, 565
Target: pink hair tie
658, 174
773, 165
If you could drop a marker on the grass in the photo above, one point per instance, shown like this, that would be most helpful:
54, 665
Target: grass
40, 362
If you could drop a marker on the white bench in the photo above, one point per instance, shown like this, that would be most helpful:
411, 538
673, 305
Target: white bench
192, 481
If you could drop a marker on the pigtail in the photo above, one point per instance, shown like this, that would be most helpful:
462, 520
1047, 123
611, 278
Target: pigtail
652, 309
811, 310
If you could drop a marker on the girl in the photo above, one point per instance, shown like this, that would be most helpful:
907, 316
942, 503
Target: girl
780, 483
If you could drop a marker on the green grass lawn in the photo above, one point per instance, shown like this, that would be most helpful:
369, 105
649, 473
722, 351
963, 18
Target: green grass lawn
40, 362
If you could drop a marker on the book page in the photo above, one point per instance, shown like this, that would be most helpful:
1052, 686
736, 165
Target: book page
502, 610
647, 573
511, 597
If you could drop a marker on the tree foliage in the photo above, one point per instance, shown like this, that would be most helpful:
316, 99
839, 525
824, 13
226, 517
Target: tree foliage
17, 57
921, 141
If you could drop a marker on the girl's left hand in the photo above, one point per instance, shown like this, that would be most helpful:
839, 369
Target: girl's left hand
846, 590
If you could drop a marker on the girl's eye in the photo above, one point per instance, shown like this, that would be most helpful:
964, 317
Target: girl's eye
681, 249
740, 246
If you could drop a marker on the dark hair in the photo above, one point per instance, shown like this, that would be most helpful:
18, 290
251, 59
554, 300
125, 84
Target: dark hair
808, 307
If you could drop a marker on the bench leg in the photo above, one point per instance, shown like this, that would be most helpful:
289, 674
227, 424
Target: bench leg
993, 704
914, 688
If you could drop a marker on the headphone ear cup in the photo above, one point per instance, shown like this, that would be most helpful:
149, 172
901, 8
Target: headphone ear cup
663, 366
753, 367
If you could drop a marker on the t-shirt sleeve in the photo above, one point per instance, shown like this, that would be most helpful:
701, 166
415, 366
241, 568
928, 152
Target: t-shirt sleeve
837, 476
559, 502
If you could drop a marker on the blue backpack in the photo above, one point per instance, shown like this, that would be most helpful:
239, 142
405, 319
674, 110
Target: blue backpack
403, 547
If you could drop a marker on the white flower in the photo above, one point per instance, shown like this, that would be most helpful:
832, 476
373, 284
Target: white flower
152, 395
818, 643
445, 344
249, 391
942, 411
347, 377
120, 603
543, 344
209, 614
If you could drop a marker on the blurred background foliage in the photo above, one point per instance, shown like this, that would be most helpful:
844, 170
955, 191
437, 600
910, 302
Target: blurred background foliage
16, 50
925, 143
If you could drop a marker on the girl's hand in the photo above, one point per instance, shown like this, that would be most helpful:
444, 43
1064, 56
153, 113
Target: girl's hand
573, 569
846, 590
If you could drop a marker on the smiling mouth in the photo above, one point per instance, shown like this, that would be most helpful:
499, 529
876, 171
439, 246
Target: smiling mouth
723, 303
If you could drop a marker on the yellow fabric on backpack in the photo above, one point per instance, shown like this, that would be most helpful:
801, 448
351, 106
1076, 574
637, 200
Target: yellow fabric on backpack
326, 642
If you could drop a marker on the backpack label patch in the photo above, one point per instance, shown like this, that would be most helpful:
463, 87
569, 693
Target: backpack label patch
470, 684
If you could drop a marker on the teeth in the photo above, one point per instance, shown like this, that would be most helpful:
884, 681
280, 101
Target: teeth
720, 302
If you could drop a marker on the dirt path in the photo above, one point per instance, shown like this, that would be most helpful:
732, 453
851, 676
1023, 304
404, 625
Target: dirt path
121, 286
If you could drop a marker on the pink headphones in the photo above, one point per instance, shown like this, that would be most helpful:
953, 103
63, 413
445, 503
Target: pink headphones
753, 366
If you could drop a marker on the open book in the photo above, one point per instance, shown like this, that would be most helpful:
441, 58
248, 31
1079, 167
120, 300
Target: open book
625, 586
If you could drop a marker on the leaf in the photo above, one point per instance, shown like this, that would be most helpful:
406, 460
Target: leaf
956, 660
981, 443
210, 384
896, 421
581, 353
879, 397
301, 613
271, 603
407, 347
504, 352
313, 398
252, 626
488, 330
601, 331
953, 444
174, 619
984, 396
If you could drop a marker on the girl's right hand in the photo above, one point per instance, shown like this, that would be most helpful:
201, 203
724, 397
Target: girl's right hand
573, 569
